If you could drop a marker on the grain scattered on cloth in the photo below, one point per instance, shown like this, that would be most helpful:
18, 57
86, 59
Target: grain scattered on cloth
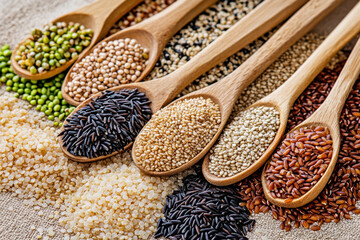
18, 17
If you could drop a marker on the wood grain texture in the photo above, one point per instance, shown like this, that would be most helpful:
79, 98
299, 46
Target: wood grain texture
98, 16
161, 91
227, 92
327, 115
153, 33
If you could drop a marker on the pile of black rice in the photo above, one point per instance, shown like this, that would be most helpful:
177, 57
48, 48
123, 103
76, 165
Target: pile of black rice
199, 210
107, 124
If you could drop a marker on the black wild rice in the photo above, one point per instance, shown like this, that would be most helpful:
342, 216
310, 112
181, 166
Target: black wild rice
107, 124
199, 210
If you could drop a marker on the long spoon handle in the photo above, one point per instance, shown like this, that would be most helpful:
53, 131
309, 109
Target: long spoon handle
338, 38
229, 89
262, 19
331, 109
106, 12
166, 23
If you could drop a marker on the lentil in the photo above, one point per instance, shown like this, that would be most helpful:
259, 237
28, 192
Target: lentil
106, 124
177, 133
199, 210
243, 141
141, 12
108, 65
299, 162
53, 46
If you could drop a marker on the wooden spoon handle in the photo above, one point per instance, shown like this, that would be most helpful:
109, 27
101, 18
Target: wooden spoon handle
338, 38
166, 23
297, 26
262, 19
105, 13
331, 109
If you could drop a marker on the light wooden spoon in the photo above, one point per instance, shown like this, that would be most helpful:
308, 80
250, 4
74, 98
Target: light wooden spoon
98, 16
284, 97
226, 92
161, 91
327, 115
153, 34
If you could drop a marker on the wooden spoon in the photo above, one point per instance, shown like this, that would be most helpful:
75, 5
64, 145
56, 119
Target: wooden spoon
98, 16
153, 34
283, 98
161, 91
226, 92
327, 115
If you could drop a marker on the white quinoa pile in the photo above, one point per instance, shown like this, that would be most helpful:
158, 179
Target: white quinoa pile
108, 65
177, 133
33, 167
243, 141
31, 162
120, 203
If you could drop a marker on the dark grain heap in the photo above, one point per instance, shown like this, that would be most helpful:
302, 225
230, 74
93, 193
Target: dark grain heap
199, 210
107, 124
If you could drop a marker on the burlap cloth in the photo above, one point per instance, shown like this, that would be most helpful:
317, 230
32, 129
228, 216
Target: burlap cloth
17, 18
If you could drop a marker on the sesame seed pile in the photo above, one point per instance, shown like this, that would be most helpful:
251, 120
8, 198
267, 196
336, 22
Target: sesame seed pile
243, 141
177, 133
108, 65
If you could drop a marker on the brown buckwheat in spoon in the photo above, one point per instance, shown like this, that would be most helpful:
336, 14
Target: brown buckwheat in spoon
129, 55
161, 91
271, 113
180, 134
55, 48
304, 161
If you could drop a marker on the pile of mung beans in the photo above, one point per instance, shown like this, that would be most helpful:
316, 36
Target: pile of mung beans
44, 95
53, 46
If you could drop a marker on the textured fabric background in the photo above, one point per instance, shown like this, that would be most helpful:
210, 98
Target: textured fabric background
17, 18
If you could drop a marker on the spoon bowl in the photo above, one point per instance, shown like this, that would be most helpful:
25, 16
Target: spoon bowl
226, 92
283, 98
98, 16
224, 181
142, 36
153, 34
327, 115
161, 91
315, 190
